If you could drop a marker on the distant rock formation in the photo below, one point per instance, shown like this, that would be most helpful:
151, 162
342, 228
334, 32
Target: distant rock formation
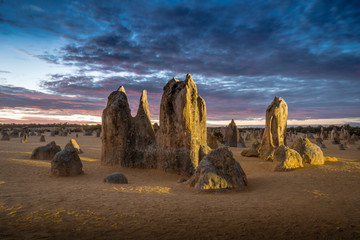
275, 128
231, 134
46, 152
66, 163
335, 138
182, 137
218, 171
287, 159
42, 138
126, 140
74, 144
311, 153
5, 137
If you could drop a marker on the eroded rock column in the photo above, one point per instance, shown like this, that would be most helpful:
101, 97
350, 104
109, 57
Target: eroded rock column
275, 128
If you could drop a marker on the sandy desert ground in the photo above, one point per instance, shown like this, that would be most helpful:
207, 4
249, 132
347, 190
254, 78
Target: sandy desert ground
316, 202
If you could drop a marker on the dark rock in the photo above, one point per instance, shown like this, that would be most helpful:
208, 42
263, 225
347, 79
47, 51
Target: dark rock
42, 138
117, 177
74, 144
46, 152
66, 163
127, 141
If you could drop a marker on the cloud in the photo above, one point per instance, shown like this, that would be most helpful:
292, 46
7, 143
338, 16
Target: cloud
241, 54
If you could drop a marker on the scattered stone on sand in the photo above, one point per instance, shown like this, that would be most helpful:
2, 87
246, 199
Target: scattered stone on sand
75, 145
341, 147
231, 134
116, 177
66, 163
5, 137
127, 141
182, 137
46, 152
42, 138
253, 151
311, 153
287, 159
218, 170
275, 128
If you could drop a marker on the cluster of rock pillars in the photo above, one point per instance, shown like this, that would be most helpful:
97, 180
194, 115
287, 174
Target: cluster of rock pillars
179, 143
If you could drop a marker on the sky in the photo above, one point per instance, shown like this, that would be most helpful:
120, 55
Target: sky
59, 60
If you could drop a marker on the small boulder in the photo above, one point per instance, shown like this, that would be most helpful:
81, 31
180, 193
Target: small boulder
253, 151
310, 152
219, 171
67, 163
74, 144
45, 152
116, 177
287, 158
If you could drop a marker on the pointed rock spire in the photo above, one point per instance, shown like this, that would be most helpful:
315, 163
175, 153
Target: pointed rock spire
121, 89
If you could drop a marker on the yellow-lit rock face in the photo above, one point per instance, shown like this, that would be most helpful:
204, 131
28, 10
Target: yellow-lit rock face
218, 171
311, 153
275, 128
215, 181
75, 145
287, 159
182, 137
